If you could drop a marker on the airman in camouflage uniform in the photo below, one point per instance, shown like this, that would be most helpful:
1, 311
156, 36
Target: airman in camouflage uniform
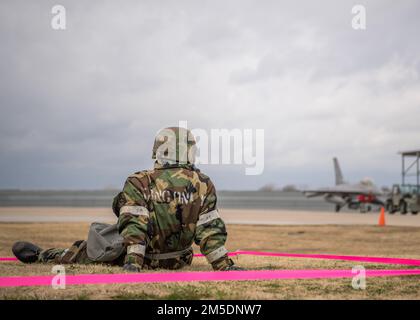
162, 211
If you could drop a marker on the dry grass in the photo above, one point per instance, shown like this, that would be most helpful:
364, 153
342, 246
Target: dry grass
352, 240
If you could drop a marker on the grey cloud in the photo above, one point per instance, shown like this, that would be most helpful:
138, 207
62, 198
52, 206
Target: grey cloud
80, 107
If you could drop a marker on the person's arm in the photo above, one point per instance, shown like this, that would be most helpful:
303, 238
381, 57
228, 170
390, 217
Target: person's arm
211, 232
133, 220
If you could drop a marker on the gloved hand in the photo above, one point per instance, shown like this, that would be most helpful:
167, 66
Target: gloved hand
132, 267
233, 268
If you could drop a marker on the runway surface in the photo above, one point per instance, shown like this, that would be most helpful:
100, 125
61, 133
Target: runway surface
230, 216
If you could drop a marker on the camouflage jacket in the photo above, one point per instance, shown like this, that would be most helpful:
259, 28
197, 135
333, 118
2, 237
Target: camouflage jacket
165, 210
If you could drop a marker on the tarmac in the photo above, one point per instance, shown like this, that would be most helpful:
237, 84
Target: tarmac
230, 216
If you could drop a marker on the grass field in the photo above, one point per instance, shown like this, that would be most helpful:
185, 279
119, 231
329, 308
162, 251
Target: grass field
346, 240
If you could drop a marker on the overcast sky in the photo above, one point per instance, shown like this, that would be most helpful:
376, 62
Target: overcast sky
80, 107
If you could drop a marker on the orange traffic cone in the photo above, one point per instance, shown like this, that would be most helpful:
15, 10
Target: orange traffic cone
381, 222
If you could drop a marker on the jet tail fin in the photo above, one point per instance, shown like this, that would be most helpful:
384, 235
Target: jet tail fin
338, 174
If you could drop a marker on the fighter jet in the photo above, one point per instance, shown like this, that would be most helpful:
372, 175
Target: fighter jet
356, 196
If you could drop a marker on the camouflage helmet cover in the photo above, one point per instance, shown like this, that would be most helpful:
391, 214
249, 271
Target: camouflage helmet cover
174, 145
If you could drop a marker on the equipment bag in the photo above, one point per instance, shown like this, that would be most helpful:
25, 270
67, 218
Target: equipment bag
104, 243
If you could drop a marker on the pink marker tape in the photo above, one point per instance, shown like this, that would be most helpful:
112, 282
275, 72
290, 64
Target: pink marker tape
400, 261
8, 259
197, 276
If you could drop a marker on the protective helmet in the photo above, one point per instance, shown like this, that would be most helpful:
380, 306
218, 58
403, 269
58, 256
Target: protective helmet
174, 145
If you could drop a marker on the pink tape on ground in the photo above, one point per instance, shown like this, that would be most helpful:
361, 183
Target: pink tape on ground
400, 261
8, 259
197, 276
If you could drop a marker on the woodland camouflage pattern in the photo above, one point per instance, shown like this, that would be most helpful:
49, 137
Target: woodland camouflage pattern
171, 198
175, 196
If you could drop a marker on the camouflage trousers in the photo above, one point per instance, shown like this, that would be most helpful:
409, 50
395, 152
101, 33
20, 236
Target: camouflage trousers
77, 253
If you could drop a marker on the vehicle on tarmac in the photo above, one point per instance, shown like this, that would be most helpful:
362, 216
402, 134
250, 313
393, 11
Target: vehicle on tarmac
403, 198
